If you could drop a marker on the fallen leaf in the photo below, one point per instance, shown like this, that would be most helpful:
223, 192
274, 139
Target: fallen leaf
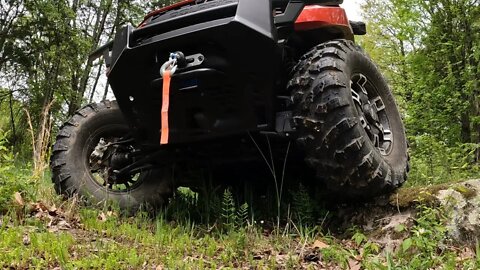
63, 225
320, 245
112, 214
102, 217
26, 240
354, 265
53, 211
159, 267
18, 199
282, 258
39, 207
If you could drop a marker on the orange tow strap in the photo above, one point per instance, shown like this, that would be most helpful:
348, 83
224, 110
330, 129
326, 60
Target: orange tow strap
165, 106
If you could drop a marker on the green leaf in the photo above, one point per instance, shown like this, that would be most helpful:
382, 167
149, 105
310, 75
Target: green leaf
407, 243
400, 228
359, 238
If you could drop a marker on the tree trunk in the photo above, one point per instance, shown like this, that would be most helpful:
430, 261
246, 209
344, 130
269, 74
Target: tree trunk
12, 121
97, 78
104, 10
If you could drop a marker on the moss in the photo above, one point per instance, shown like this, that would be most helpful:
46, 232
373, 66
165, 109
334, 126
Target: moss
407, 197
466, 192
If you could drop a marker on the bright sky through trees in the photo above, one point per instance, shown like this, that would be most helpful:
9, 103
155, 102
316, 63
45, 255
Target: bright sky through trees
352, 8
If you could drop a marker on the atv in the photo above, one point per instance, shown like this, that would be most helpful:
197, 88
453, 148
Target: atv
228, 86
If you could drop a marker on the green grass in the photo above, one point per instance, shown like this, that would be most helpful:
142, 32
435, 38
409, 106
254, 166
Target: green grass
96, 239
45, 232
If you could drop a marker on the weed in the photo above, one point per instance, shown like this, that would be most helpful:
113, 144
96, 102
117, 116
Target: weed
303, 206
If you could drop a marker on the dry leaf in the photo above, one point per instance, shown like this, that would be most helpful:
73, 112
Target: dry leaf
39, 207
320, 245
111, 214
102, 217
354, 265
18, 199
282, 258
159, 267
53, 211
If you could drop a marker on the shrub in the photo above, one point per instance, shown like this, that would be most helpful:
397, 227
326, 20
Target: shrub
12, 178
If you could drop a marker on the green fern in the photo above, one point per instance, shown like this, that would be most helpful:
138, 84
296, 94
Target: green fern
303, 206
181, 204
229, 217
242, 215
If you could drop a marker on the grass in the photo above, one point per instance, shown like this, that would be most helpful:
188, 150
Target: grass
133, 243
39, 230
61, 234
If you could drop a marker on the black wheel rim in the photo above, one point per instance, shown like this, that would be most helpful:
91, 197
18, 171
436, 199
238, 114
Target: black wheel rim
100, 170
372, 112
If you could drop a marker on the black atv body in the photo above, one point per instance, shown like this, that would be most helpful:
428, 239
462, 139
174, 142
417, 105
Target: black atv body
246, 70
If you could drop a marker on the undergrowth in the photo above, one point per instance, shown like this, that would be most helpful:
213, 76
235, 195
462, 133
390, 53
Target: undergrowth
435, 162
39, 230
71, 236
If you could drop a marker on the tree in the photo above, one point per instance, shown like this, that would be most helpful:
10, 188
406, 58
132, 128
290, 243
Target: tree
430, 52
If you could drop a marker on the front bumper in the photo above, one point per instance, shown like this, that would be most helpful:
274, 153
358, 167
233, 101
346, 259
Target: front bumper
231, 92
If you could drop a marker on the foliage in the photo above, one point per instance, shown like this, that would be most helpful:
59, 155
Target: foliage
228, 210
12, 178
421, 249
436, 162
303, 206
44, 67
233, 217
429, 52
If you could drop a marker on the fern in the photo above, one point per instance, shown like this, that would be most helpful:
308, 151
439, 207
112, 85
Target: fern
242, 215
229, 217
181, 204
303, 206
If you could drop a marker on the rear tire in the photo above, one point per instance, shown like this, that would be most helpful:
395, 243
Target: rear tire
71, 168
348, 121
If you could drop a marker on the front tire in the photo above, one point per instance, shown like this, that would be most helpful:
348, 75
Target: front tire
71, 163
348, 121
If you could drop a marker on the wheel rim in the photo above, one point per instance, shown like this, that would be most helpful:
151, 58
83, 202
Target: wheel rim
101, 155
372, 113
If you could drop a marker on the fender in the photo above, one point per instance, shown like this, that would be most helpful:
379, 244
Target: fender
314, 17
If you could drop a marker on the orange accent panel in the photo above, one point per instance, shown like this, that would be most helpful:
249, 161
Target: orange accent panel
176, 5
315, 16
165, 106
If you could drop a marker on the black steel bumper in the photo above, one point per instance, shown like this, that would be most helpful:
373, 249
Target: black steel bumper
231, 92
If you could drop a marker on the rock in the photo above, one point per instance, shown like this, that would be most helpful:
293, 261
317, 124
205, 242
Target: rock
462, 207
388, 223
